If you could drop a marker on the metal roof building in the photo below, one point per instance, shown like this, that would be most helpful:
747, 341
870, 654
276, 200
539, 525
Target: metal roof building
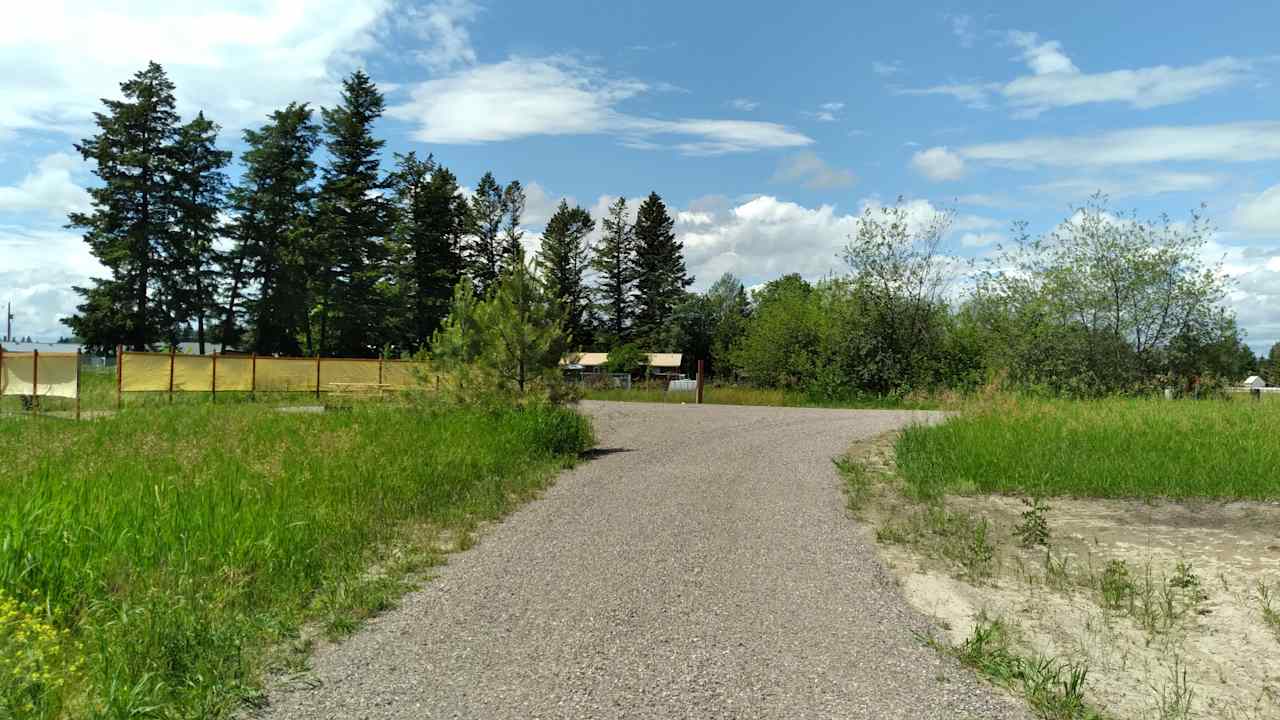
590, 360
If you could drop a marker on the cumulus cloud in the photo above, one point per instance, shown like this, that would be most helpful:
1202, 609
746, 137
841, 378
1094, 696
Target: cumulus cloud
37, 275
939, 164
236, 62
441, 26
813, 172
523, 97
1259, 213
1055, 81
48, 189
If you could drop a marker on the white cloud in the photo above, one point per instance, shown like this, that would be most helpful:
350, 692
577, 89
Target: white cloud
48, 189
813, 172
885, 69
978, 240
40, 267
833, 106
440, 26
1259, 213
1144, 184
939, 164
1055, 81
963, 27
744, 104
1228, 142
522, 97
235, 62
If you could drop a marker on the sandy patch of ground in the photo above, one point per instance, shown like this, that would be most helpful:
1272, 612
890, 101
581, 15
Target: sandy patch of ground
1187, 627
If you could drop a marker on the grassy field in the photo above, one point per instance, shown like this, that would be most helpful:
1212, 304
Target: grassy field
1140, 448
157, 563
744, 395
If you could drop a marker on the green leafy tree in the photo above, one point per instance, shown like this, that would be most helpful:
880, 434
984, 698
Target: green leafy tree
782, 346
200, 196
614, 263
130, 225
352, 224
563, 261
484, 247
660, 275
272, 205
626, 358
431, 220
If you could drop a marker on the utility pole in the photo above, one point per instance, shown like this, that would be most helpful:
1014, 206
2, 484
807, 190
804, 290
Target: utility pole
8, 323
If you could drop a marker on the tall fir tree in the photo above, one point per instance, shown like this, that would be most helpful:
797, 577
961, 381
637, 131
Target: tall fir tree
563, 260
352, 224
660, 273
431, 220
191, 279
513, 202
273, 204
483, 250
129, 226
614, 263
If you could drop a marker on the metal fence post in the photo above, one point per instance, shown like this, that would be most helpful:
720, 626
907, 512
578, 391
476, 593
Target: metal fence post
77, 383
35, 381
172, 351
213, 380
119, 375
699, 400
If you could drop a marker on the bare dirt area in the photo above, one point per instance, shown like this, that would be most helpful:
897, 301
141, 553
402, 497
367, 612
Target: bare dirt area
1173, 608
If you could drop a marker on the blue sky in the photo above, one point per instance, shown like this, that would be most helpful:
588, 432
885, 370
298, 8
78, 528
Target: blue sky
766, 127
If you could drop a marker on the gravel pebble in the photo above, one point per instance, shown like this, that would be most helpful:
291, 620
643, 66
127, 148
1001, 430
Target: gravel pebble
702, 566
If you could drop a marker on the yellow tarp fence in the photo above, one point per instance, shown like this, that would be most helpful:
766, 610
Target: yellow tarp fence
165, 372
53, 375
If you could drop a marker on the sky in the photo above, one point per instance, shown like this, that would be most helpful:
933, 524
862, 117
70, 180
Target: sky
766, 128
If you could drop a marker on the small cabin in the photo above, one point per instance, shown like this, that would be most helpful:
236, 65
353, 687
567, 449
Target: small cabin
1254, 382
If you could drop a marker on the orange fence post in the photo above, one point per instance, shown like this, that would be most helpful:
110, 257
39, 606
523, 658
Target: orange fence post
213, 382
317, 376
172, 350
253, 376
1, 372
35, 383
119, 374
77, 383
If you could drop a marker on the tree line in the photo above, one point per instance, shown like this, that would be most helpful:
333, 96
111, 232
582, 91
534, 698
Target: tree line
315, 249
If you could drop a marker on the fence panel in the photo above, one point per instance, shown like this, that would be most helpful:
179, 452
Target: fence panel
347, 371
192, 373
142, 372
286, 374
235, 372
404, 374
55, 374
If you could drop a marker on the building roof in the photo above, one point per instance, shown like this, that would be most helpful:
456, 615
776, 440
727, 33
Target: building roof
1255, 381
596, 359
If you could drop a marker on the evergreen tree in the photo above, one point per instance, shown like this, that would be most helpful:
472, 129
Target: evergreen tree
513, 202
614, 263
129, 225
563, 260
431, 219
352, 221
200, 188
659, 273
483, 249
273, 204
527, 341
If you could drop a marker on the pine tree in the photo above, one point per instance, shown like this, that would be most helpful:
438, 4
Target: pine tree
273, 204
483, 249
200, 187
659, 272
431, 218
526, 338
614, 263
352, 221
563, 260
128, 228
513, 202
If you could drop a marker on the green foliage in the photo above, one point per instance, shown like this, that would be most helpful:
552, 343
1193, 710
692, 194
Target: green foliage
563, 260
660, 274
170, 550
494, 238
506, 346
626, 358
272, 259
1033, 529
615, 284
1102, 448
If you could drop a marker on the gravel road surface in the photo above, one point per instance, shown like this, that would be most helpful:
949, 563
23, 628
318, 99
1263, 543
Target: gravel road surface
702, 566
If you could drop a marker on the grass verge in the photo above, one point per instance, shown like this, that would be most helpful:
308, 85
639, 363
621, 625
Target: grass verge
1138, 448
153, 564
746, 395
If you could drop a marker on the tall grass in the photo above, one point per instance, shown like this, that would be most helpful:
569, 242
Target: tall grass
746, 395
173, 546
1140, 448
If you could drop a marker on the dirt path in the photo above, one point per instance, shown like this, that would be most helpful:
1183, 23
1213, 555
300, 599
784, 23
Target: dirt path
703, 566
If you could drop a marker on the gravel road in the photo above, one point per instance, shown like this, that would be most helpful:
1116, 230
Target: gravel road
702, 566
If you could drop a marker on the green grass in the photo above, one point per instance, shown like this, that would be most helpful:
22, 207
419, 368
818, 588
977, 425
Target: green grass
746, 395
1134, 448
174, 554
